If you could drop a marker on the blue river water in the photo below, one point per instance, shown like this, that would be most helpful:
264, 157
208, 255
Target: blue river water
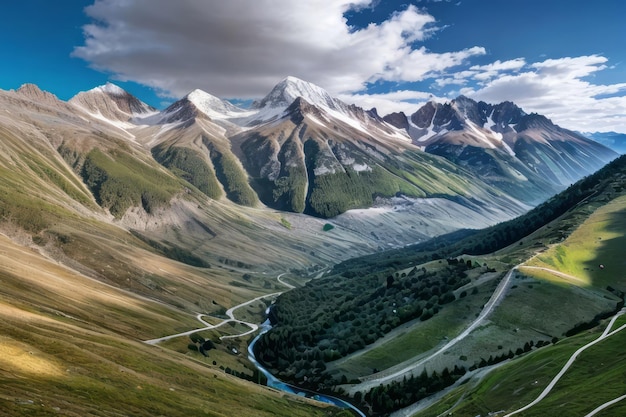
276, 383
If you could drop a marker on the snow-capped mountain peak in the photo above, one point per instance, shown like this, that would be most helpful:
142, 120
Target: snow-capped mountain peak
111, 89
212, 106
289, 89
111, 103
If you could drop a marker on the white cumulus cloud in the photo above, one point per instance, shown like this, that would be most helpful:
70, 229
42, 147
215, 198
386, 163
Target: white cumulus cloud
407, 101
560, 89
240, 48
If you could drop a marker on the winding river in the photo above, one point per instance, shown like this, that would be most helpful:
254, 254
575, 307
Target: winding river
276, 383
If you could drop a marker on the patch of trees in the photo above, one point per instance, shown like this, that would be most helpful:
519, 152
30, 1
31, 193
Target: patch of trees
233, 178
331, 317
200, 344
386, 398
331, 194
289, 188
582, 326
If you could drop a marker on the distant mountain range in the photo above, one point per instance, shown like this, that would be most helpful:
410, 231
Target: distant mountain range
613, 140
301, 150
525, 154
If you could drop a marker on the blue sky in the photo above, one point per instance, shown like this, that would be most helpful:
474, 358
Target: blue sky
561, 58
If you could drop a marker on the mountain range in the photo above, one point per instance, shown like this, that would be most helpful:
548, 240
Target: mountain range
613, 140
297, 143
297, 150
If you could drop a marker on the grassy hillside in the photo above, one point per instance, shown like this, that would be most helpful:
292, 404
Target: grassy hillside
593, 252
189, 165
594, 379
70, 345
26, 169
119, 181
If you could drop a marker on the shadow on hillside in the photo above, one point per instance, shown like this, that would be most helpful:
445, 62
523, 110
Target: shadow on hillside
608, 268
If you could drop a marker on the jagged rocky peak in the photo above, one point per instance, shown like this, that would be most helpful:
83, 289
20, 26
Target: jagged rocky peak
451, 115
506, 114
534, 121
423, 117
300, 108
455, 114
398, 120
34, 93
289, 89
468, 109
200, 104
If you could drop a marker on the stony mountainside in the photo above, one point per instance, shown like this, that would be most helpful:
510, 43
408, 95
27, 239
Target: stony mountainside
298, 150
110, 102
525, 154
298, 145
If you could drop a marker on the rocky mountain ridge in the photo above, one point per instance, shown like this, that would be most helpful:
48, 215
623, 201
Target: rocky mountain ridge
301, 150
504, 145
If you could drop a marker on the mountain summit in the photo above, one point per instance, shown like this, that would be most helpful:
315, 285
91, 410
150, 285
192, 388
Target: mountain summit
289, 89
112, 103
199, 103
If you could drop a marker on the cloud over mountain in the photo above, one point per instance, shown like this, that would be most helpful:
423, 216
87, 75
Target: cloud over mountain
562, 88
240, 48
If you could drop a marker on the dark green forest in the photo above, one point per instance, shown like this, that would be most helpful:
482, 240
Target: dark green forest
330, 317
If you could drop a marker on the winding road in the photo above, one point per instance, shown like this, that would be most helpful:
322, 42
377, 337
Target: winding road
495, 299
272, 381
381, 378
607, 333
231, 319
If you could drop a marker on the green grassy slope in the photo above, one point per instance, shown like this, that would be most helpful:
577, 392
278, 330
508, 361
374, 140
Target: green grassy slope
572, 269
595, 378
71, 345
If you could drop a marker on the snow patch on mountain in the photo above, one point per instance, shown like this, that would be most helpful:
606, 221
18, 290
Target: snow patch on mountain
110, 88
361, 167
289, 89
215, 107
